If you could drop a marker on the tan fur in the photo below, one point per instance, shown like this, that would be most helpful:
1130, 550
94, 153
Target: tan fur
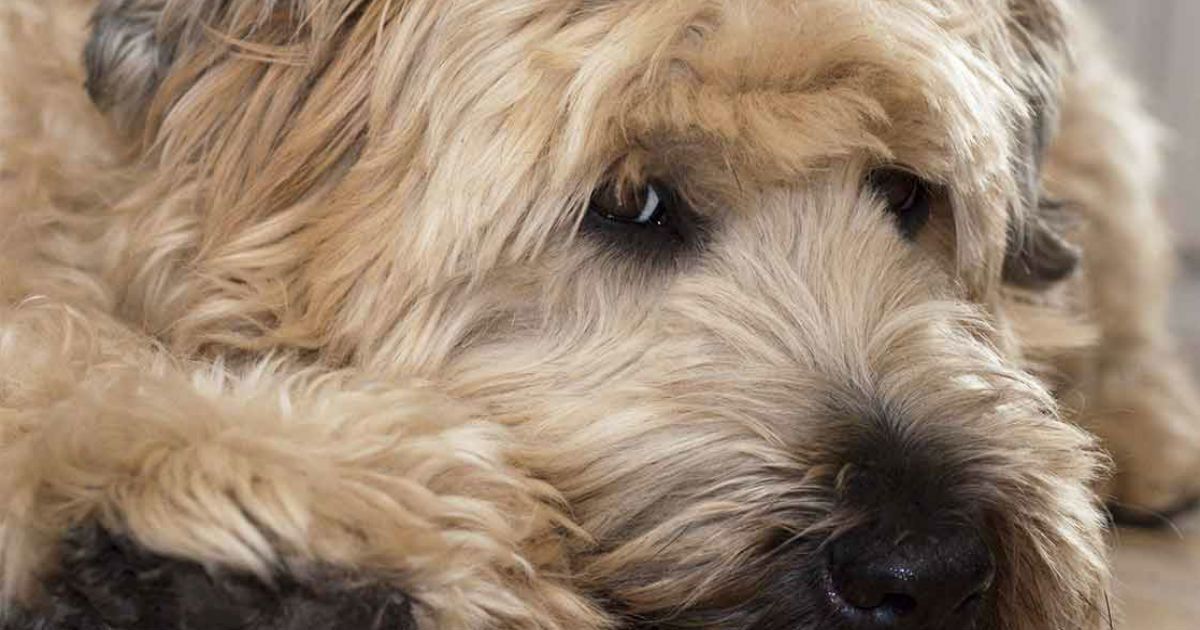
316, 297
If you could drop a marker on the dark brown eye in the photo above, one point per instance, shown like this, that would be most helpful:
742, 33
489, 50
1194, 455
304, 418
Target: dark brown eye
908, 197
646, 205
651, 219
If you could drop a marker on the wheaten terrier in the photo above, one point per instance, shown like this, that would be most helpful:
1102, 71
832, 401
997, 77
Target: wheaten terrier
575, 314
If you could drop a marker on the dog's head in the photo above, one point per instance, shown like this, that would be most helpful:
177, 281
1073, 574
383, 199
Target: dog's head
732, 269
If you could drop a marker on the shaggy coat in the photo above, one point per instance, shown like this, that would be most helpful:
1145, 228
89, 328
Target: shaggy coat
311, 316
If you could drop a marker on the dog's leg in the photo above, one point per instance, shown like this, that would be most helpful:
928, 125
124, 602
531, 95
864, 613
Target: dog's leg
1132, 391
121, 475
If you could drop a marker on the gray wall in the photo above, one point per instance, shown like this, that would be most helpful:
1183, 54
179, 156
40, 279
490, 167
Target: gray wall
1159, 40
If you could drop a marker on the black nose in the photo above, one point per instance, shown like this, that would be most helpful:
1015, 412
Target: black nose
934, 580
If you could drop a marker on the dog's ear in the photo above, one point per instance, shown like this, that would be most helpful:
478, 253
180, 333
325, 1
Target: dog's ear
126, 58
1038, 256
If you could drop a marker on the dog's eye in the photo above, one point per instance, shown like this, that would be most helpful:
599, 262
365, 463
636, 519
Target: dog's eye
652, 218
909, 198
646, 206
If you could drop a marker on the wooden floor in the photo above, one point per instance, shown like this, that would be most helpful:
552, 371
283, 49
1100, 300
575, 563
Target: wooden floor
1158, 573
1158, 578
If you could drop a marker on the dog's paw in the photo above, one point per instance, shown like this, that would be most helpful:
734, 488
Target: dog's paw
1152, 429
1157, 480
106, 582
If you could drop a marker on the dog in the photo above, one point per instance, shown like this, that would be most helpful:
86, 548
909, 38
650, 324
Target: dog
576, 314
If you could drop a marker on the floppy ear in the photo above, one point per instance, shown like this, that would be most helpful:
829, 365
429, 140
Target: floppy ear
1038, 256
126, 58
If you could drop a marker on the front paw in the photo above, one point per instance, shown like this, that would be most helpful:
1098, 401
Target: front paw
107, 582
1152, 428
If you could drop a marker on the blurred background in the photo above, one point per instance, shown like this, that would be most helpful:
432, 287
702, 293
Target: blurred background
1158, 41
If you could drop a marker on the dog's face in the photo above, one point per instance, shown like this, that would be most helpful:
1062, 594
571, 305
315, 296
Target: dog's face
730, 269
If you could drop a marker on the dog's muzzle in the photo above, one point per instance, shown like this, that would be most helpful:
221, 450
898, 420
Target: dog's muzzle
913, 552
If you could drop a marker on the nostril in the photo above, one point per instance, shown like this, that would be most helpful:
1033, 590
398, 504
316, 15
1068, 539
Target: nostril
886, 609
898, 604
876, 594
867, 590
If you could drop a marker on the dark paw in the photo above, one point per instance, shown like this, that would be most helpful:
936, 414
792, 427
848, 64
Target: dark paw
106, 582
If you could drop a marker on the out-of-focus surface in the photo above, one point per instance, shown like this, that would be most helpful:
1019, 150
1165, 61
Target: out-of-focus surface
1158, 573
1157, 41
1158, 578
